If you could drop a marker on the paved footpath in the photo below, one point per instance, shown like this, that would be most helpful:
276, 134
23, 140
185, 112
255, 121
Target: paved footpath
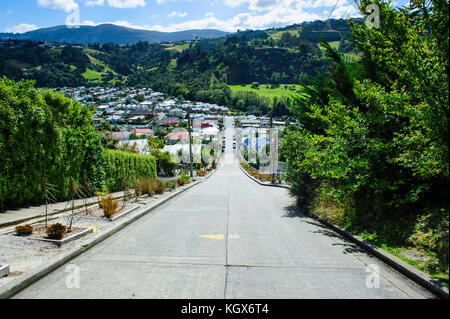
12, 217
227, 238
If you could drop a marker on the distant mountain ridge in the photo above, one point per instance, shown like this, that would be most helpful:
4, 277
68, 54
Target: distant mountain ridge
105, 33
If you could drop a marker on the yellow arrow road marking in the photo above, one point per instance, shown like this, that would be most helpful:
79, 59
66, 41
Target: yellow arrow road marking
220, 237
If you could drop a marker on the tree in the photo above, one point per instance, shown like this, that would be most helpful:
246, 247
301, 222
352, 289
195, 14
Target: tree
373, 143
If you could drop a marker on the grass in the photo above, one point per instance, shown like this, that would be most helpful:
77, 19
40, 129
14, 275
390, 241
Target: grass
178, 47
173, 64
91, 51
422, 260
109, 205
334, 44
92, 75
264, 90
408, 237
279, 34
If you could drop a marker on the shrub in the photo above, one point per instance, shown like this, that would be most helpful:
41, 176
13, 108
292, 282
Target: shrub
149, 186
172, 185
109, 205
160, 187
56, 231
139, 187
185, 178
44, 135
201, 173
24, 230
164, 164
120, 165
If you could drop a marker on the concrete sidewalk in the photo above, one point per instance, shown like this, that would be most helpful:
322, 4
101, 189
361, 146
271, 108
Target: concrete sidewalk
14, 217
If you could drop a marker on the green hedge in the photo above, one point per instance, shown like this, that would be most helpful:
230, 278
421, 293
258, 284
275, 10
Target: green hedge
44, 135
120, 165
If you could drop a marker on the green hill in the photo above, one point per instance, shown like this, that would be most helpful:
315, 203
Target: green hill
109, 33
208, 69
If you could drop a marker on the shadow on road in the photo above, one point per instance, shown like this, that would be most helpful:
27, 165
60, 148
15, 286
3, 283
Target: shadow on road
296, 212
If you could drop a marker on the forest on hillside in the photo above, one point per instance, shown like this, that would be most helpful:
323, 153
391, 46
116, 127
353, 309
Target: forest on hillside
197, 70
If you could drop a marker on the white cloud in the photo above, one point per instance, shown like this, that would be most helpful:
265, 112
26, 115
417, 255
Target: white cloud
21, 28
126, 3
177, 14
66, 5
235, 3
95, 2
263, 14
344, 12
280, 17
89, 23
121, 23
259, 5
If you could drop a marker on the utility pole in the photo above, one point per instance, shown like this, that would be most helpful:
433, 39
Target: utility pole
190, 144
271, 145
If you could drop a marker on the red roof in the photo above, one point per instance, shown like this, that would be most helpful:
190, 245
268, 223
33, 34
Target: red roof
142, 131
179, 136
173, 121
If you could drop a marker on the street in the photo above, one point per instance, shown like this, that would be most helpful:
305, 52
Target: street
227, 237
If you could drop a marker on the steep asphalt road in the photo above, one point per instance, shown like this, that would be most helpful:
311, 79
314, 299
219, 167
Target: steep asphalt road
226, 238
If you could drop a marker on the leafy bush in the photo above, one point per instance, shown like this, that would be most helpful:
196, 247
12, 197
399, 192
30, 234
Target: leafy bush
373, 140
44, 135
160, 187
139, 187
149, 186
172, 185
109, 205
25, 230
120, 165
56, 231
183, 179
201, 173
164, 164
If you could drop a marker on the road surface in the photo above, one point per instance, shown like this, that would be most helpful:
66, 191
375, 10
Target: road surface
227, 238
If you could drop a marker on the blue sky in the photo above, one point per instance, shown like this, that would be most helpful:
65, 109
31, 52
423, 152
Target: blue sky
171, 15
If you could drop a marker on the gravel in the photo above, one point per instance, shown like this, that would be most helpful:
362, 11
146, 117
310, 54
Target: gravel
23, 254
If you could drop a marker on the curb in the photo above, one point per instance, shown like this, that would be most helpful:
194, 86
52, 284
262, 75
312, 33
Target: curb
15, 286
261, 183
53, 213
4, 270
394, 262
132, 209
68, 239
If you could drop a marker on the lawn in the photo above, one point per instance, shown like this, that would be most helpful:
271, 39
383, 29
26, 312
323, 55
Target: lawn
265, 90
178, 47
92, 76
277, 35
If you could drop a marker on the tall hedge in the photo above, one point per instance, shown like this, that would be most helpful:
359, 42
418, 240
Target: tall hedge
124, 165
44, 135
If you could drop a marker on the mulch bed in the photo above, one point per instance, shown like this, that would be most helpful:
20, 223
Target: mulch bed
39, 231
96, 211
